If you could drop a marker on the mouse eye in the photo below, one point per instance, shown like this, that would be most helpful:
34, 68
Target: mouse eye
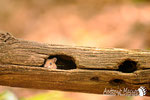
50, 63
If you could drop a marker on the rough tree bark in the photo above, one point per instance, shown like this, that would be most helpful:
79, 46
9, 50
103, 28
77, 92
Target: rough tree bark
80, 69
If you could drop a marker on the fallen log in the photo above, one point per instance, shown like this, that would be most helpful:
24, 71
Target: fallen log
80, 69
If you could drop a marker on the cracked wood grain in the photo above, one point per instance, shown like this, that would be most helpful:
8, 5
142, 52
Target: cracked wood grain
21, 63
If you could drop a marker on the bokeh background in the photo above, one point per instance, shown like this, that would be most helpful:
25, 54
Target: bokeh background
97, 23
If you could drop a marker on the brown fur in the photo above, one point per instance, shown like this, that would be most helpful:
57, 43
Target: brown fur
50, 63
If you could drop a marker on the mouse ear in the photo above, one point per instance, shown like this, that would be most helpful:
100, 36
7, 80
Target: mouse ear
54, 59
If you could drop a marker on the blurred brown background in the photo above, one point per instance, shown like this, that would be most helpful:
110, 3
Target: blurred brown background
98, 23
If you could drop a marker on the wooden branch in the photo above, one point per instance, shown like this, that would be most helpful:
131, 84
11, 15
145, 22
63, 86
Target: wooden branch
80, 69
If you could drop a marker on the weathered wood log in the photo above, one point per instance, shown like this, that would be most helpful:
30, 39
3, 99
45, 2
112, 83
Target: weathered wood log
80, 69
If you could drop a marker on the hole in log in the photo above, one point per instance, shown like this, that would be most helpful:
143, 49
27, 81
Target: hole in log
116, 82
94, 79
128, 66
64, 62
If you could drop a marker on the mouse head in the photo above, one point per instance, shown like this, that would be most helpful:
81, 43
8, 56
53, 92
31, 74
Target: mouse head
50, 63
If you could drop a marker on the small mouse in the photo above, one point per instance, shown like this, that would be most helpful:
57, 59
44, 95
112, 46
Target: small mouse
51, 63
